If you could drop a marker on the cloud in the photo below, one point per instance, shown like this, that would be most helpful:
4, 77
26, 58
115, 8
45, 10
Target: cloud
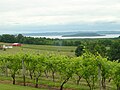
52, 12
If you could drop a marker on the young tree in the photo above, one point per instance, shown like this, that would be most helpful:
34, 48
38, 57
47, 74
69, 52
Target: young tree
65, 70
52, 64
78, 66
116, 74
4, 64
14, 65
39, 67
105, 70
90, 69
30, 63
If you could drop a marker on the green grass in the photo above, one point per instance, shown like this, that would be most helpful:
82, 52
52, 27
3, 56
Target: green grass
16, 87
71, 84
43, 81
51, 48
62, 50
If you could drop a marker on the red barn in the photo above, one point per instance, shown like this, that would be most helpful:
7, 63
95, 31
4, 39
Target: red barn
16, 44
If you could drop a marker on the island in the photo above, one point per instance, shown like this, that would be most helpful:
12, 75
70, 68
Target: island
83, 34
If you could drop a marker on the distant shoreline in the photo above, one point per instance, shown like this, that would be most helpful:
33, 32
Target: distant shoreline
92, 37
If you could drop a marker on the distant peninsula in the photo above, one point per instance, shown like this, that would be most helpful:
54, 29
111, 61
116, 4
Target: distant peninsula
83, 34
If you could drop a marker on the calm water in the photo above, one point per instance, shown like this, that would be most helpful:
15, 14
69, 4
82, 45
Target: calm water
60, 37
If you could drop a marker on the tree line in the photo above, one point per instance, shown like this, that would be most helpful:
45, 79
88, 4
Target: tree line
107, 48
7, 38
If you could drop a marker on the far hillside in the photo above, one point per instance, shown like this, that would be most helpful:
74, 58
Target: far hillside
83, 34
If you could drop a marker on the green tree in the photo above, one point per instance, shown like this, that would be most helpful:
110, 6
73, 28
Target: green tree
79, 50
39, 67
95, 48
105, 67
90, 69
78, 67
19, 38
14, 65
8, 38
52, 64
114, 52
116, 74
65, 69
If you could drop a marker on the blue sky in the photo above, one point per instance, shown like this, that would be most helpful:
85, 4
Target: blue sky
21, 15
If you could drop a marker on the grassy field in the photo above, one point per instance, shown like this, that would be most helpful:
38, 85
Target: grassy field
63, 50
16, 87
46, 83
51, 48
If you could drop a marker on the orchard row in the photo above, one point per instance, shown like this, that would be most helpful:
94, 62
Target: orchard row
94, 69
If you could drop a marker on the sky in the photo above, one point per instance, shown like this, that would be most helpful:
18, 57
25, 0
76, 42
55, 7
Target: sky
50, 15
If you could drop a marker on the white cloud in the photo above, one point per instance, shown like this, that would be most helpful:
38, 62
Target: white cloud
47, 12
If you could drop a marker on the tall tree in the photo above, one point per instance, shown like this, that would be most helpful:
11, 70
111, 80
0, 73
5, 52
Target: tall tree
79, 50
114, 52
